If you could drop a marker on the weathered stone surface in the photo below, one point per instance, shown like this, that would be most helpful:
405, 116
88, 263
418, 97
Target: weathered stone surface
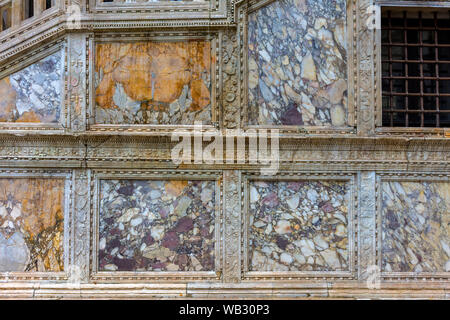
299, 226
153, 82
125, 150
416, 227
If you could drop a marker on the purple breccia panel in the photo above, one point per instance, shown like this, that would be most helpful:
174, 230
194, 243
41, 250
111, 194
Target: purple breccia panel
149, 225
299, 226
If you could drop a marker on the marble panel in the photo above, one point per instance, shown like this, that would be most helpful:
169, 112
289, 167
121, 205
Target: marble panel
31, 224
415, 226
33, 94
298, 226
297, 63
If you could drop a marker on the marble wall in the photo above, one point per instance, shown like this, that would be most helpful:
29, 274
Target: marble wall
31, 224
415, 226
298, 226
33, 94
153, 82
148, 225
297, 63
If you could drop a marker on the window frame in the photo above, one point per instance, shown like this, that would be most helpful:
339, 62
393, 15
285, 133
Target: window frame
378, 92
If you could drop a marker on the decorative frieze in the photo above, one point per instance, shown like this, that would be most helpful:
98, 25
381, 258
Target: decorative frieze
76, 81
297, 64
232, 226
167, 226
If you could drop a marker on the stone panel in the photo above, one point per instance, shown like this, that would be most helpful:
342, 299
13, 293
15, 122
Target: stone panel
297, 63
153, 82
149, 225
415, 226
298, 226
31, 224
33, 94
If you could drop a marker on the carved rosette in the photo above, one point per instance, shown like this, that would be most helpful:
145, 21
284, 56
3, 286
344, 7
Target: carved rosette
364, 43
230, 91
76, 81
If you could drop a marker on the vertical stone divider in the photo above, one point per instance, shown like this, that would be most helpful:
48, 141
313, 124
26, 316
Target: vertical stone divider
365, 66
367, 226
232, 226
230, 89
79, 271
76, 82
16, 12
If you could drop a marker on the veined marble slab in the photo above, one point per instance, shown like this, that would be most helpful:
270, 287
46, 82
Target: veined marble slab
153, 82
298, 226
298, 63
31, 224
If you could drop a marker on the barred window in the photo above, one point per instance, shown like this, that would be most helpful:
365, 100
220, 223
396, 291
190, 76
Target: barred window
415, 68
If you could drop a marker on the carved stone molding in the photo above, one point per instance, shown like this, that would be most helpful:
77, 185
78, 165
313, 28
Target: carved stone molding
76, 81
232, 227
229, 84
81, 220
365, 69
366, 225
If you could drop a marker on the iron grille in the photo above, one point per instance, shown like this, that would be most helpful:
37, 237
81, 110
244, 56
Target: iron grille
415, 69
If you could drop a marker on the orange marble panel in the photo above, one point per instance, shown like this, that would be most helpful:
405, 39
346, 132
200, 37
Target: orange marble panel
153, 82
31, 224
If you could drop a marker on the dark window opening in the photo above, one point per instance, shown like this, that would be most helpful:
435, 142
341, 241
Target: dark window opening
415, 69
48, 4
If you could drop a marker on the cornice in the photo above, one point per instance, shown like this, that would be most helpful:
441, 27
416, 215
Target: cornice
247, 290
286, 142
